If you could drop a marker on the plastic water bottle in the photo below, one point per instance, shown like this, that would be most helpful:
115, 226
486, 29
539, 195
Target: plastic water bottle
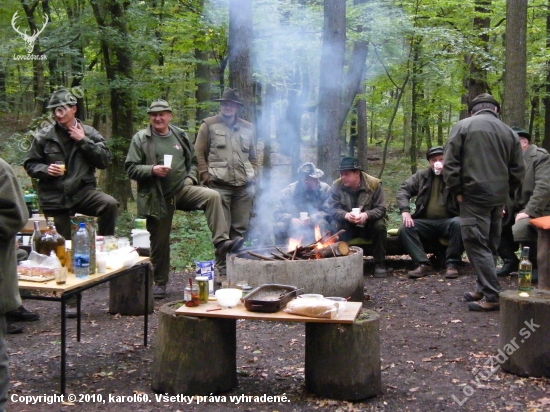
81, 252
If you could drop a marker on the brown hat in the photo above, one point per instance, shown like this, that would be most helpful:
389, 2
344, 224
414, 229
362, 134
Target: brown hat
483, 98
230, 95
159, 106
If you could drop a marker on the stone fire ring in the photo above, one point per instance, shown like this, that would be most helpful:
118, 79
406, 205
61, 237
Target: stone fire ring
338, 276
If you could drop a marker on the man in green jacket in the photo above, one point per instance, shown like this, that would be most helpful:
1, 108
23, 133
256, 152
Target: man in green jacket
13, 216
357, 190
435, 216
162, 189
483, 164
531, 200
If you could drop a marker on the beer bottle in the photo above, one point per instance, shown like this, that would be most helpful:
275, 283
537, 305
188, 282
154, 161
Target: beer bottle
525, 271
36, 235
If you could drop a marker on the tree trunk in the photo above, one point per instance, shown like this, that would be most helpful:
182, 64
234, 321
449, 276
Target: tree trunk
546, 140
515, 73
330, 86
362, 142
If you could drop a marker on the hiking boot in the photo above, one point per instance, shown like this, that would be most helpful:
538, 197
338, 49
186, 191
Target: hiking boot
228, 246
380, 271
14, 329
483, 306
159, 292
510, 266
421, 271
473, 297
451, 273
21, 315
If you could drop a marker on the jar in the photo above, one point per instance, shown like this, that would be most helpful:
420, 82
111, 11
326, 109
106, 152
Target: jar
111, 243
123, 242
202, 281
189, 292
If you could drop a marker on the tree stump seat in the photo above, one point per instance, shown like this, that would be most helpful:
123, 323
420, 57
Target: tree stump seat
126, 295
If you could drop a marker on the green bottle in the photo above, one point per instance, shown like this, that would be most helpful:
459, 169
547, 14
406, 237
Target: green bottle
525, 271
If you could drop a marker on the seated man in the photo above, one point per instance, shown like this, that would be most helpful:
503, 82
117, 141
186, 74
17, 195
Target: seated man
356, 189
531, 200
435, 216
307, 194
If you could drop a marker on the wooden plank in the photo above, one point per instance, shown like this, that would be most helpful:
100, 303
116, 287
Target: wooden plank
240, 312
72, 281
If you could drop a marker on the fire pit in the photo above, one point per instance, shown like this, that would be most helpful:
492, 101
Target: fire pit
329, 276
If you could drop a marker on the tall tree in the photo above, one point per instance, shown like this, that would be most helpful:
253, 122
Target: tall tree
515, 73
546, 139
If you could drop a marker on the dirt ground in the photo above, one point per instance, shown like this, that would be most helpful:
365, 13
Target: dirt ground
432, 351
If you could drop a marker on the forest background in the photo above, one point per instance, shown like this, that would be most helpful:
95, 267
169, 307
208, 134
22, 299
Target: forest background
319, 79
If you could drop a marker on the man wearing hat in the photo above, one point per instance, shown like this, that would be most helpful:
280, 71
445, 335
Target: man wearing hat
162, 189
64, 190
306, 195
483, 164
531, 200
435, 216
357, 190
227, 163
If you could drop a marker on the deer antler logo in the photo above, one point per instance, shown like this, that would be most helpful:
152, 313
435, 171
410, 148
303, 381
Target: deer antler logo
30, 40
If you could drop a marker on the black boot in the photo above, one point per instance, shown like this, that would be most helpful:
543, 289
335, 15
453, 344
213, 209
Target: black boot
510, 265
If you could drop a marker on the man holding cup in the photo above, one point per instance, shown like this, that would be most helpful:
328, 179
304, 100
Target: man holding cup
64, 158
164, 188
436, 216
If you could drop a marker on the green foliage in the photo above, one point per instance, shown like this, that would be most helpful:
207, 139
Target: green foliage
125, 224
190, 240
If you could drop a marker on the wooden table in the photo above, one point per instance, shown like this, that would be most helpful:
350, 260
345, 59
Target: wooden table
74, 287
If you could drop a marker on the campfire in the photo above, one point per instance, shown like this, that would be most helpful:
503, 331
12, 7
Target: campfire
324, 247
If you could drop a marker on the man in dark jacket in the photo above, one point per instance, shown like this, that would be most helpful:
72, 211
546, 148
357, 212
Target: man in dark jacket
531, 200
357, 190
435, 216
306, 195
69, 188
483, 165
162, 189
13, 216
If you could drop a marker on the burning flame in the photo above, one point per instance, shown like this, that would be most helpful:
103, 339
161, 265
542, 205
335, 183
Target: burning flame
293, 244
317, 232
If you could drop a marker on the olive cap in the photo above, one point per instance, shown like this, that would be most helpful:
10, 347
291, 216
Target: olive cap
159, 105
432, 151
61, 97
349, 163
521, 132
310, 170
483, 98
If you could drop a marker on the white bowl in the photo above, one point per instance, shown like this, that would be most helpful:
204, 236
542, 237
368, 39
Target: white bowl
229, 297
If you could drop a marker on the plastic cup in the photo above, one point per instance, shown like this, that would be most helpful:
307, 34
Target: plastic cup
61, 164
303, 215
167, 160
356, 211
101, 261
60, 275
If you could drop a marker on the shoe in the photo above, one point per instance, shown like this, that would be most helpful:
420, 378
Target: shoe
510, 266
473, 297
229, 246
21, 315
421, 271
483, 306
380, 271
14, 329
159, 292
451, 273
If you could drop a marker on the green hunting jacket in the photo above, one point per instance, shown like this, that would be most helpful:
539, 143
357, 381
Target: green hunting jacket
533, 196
139, 165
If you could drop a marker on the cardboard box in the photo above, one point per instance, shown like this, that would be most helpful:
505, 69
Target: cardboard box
90, 222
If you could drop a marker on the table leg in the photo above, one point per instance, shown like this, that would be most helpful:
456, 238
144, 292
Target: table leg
78, 313
63, 343
146, 305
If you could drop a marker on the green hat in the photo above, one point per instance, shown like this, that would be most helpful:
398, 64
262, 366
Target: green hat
61, 97
230, 95
159, 106
521, 132
432, 151
349, 163
310, 170
483, 98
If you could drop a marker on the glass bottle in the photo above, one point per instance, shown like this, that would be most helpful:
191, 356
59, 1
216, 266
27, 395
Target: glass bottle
36, 235
202, 281
50, 241
525, 271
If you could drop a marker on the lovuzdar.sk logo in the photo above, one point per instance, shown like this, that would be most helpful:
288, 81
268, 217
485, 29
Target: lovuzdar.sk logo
30, 40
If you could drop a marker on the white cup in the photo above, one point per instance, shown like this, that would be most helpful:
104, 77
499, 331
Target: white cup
101, 261
167, 160
303, 215
356, 211
438, 167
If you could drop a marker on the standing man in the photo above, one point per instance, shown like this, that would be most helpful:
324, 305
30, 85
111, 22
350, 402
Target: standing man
163, 189
483, 165
531, 200
307, 194
13, 216
227, 163
64, 158
435, 216
356, 189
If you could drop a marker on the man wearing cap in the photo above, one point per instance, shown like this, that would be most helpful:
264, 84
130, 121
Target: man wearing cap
435, 216
483, 165
162, 189
357, 189
306, 195
531, 200
71, 188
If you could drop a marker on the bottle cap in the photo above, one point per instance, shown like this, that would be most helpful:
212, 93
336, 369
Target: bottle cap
83, 225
